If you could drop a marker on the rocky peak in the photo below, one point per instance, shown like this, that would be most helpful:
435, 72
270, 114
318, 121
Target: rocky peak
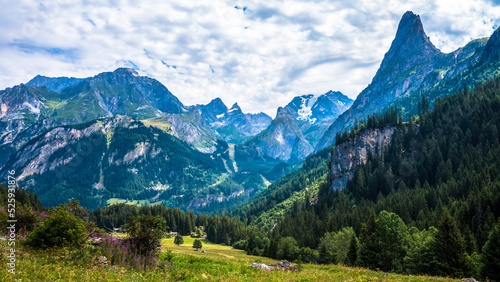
236, 112
410, 28
336, 95
235, 107
411, 44
282, 140
282, 112
216, 106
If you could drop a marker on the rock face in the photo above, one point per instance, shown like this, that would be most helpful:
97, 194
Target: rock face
282, 140
348, 155
20, 107
492, 48
412, 63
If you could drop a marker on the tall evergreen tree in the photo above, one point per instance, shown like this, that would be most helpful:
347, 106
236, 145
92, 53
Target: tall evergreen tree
448, 246
491, 255
352, 253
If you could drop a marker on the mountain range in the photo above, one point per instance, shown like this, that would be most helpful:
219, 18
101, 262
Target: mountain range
203, 156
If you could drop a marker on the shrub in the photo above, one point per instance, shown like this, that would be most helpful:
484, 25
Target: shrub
307, 255
60, 229
27, 219
240, 245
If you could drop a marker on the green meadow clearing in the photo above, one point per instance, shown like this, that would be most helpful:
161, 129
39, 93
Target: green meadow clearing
218, 263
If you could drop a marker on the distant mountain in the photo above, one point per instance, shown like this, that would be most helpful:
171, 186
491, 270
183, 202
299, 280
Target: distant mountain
122, 92
412, 64
213, 111
35, 109
258, 122
291, 136
232, 124
56, 84
314, 114
282, 140
115, 158
22, 109
312, 108
189, 127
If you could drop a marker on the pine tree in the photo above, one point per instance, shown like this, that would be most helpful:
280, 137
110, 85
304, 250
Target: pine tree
178, 240
449, 247
197, 244
352, 253
491, 255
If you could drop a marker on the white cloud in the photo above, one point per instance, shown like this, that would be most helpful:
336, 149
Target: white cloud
260, 56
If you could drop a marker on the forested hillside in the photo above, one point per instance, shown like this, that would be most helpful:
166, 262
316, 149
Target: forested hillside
440, 171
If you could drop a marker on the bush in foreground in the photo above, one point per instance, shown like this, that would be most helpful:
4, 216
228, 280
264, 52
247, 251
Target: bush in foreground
60, 229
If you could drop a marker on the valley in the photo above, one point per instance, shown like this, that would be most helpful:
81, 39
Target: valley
402, 183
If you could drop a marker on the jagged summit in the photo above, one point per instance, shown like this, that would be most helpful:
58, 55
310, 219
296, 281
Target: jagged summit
216, 106
410, 44
235, 107
411, 31
282, 112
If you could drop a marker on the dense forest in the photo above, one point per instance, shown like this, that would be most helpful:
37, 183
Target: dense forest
440, 171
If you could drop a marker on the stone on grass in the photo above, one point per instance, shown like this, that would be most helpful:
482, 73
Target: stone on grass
260, 266
102, 261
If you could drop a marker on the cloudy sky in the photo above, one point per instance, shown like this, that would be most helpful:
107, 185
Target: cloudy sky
257, 53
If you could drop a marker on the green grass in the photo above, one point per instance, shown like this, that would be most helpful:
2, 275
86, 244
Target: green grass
219, 263
161, 124
270, 217
113, 201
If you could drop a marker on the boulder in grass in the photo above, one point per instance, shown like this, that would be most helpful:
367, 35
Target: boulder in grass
102, 260
283, 265
260, 266
469, 279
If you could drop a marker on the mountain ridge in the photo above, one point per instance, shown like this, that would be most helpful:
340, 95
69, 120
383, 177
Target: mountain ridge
412, 63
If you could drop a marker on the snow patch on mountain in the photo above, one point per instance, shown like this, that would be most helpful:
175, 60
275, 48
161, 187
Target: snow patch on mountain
305, 111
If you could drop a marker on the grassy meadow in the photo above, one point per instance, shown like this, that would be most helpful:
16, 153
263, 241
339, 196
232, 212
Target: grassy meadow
218, 263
